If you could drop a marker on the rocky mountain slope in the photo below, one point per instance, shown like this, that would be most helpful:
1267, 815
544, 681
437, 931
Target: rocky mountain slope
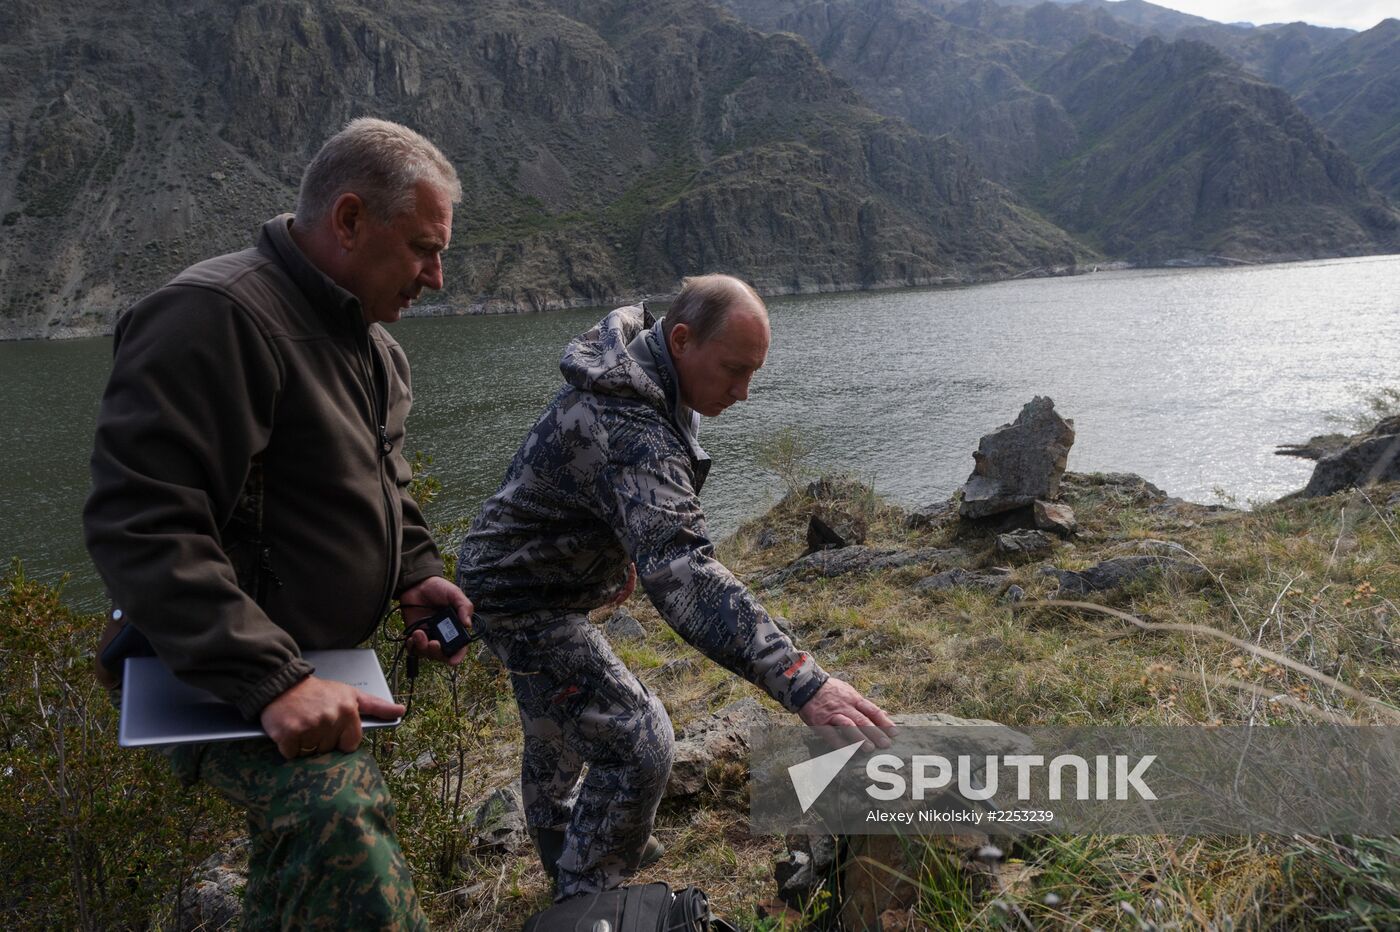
1352, 90
1168, 152
608, 148
1181, 154
605, 150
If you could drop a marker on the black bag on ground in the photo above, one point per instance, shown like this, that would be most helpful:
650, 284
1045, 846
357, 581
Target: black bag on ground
650, 907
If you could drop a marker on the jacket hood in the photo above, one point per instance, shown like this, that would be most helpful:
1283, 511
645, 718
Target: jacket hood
625, 356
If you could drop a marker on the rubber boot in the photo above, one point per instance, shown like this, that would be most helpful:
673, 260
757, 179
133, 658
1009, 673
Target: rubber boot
652, 852
549, 842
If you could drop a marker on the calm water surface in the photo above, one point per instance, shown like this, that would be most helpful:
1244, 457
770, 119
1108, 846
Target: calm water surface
1188, 377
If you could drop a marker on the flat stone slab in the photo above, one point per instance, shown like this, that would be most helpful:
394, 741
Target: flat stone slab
1117, 572
854, 559
987, 580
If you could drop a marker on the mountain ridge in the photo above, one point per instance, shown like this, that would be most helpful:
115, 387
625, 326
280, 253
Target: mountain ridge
606, 149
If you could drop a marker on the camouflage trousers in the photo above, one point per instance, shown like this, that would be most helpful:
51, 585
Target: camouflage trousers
580, 705
324, 853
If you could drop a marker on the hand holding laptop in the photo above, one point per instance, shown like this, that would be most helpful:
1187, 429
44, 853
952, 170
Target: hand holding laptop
316, 716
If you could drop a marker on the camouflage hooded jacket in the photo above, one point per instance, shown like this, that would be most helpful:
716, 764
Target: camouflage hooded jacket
611, 472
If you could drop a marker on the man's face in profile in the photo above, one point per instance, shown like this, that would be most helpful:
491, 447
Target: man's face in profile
391, 264
716, 373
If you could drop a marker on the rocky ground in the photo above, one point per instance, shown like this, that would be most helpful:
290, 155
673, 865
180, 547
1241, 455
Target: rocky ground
951, 609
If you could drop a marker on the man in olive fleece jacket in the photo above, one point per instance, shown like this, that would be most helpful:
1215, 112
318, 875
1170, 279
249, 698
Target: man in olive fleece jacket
250, 502
610, 475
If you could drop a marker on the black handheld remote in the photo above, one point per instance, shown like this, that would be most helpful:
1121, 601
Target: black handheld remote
442, 626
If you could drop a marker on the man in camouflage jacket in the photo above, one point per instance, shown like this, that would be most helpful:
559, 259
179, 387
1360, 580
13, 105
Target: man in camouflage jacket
610, 476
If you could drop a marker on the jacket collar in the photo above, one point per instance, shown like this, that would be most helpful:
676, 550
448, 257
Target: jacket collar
649, 349
325, 295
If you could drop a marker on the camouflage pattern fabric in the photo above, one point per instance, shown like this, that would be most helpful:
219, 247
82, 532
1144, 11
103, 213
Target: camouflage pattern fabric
324, 853
612, 472
579, 703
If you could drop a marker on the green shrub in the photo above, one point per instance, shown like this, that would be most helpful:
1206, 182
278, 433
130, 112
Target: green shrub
92, 836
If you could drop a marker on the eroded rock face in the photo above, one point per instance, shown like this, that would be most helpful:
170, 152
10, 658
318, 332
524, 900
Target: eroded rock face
1373, 456
1019, 462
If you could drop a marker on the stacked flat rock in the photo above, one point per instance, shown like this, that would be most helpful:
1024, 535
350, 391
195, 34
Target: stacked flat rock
1019, 462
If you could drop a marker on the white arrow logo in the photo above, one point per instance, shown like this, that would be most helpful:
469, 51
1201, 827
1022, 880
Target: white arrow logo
810, 778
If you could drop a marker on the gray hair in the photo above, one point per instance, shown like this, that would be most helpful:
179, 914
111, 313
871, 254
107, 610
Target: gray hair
705, 302
380, 161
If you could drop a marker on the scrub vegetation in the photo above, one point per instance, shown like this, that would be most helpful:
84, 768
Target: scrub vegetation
92, 836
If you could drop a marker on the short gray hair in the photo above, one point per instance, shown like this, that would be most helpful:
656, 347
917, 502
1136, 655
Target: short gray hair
380, 161
705, 301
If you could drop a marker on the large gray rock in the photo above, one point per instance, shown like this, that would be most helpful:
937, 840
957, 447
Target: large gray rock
213, 899
1019, 462
1373, 456
1117, 572
1115, 488
723, 736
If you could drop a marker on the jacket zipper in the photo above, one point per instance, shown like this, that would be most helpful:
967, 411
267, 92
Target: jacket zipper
378, 391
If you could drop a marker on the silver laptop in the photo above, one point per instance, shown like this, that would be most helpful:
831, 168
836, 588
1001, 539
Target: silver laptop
158, 709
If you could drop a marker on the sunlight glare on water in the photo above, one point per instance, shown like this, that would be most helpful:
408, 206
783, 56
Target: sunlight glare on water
1187, 377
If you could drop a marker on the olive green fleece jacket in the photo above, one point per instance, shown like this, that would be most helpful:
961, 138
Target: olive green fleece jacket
250, 365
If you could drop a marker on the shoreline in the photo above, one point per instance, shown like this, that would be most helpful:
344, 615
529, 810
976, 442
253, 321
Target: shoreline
503, 306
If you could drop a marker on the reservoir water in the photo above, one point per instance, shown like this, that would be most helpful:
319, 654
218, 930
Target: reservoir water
1188, 377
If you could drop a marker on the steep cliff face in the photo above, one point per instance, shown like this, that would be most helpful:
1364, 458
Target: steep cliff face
1172, 152
945, 71
139, 139
1187, 155
1353, 92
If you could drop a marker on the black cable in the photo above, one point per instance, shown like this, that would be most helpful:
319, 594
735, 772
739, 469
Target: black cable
411, 667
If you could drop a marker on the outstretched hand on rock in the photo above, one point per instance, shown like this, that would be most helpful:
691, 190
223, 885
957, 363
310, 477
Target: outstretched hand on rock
841, 715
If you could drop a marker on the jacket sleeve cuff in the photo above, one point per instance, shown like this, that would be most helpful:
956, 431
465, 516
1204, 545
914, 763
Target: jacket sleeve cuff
411, 574
255, 699
796, 683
